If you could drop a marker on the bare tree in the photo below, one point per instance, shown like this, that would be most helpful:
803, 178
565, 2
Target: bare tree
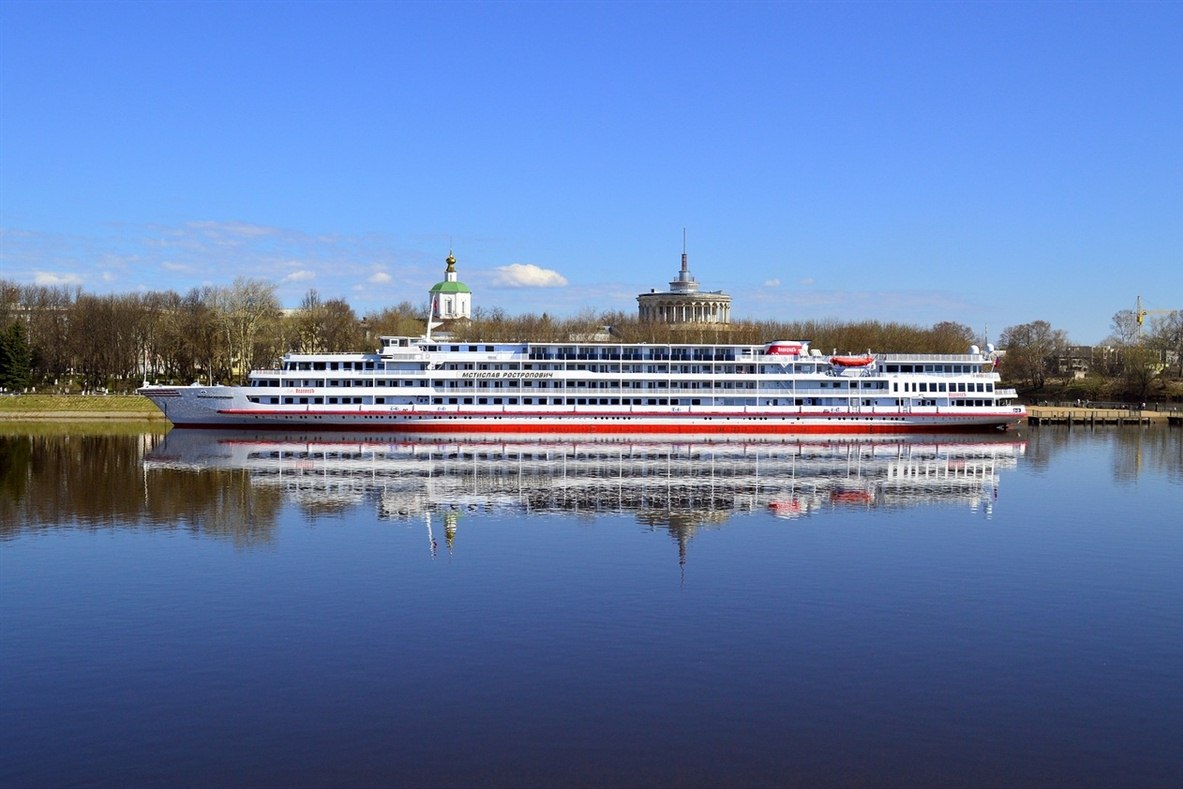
1167, 338
249, 313
404, 320
1031, 351
1126, 331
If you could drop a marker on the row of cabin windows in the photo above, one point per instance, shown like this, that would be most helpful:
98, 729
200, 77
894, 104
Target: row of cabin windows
360, 366
801, 401
923, 386
631, 354
580, 355
933, 368
559, 384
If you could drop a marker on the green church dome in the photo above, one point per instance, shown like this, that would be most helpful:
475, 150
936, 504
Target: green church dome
450, 287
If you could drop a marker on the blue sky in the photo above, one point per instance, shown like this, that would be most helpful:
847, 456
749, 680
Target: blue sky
986, 163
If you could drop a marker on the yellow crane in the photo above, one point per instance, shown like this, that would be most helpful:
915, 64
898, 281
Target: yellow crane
1140, 314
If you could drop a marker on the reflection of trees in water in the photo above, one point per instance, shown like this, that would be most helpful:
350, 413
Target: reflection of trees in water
214, 503
1042, 444
1135, 450
98, 481
1138, 451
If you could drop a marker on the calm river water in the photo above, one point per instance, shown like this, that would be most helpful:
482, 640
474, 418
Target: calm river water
203, 608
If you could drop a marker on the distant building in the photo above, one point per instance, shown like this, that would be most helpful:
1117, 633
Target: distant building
684, 303
451, 299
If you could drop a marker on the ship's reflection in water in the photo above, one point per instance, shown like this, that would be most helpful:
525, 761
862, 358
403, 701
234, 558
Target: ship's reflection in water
680, 485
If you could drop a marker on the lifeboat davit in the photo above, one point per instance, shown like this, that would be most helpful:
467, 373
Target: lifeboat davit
852, 361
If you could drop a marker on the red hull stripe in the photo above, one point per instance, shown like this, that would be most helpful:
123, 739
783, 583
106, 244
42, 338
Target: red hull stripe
589, 429
632, 416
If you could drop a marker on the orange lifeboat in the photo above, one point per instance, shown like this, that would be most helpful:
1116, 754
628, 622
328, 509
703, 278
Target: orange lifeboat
852, 361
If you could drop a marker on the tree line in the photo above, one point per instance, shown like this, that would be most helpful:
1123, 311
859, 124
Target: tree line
1134, 363
64, 339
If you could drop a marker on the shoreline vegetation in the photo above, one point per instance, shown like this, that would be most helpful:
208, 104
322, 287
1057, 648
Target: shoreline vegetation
77, 409
62, 340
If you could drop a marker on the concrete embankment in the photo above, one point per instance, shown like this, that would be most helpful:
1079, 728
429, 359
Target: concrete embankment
1080, 415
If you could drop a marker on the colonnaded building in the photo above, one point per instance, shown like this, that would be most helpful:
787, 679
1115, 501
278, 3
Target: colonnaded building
684, 303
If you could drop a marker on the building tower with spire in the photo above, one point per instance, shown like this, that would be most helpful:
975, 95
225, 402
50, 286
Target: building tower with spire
450, 299
684, 303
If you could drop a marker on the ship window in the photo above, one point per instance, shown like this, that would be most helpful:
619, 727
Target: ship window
452, 401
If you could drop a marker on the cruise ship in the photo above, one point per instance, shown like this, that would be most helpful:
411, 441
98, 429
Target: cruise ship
437, 385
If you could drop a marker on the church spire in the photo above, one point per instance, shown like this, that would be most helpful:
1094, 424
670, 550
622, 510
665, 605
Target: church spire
685, 282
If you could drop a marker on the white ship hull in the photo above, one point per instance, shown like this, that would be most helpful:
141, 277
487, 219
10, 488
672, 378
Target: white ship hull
225, 407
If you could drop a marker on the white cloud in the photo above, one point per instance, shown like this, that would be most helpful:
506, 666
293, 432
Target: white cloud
230, 229
108, 276
772, 283
527, 275
380, 278
807, 281
170, 266
302, 275
53, 279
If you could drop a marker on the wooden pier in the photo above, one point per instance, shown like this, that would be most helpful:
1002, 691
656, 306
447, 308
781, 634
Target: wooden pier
1067, 415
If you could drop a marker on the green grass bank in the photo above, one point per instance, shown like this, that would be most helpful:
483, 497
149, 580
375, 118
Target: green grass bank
91, 408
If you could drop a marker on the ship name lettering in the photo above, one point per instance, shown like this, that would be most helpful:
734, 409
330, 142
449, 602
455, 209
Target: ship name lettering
508, 374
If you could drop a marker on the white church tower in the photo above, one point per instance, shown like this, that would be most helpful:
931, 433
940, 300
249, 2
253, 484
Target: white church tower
451, 299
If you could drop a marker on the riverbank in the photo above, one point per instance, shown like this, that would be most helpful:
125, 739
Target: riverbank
100, 408
78, 408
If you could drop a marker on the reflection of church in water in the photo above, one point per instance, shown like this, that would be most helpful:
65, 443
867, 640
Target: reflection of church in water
679, 487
